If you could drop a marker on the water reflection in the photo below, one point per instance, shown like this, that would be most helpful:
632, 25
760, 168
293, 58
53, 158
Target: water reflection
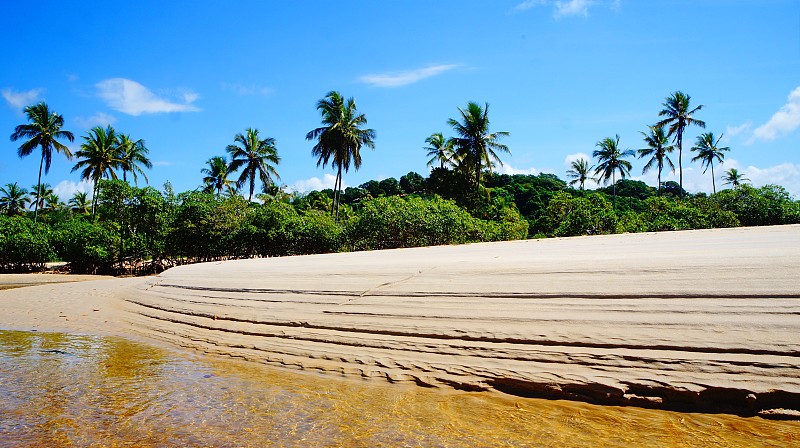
66, 390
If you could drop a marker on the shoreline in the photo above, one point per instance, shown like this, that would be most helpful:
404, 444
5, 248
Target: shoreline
702, 320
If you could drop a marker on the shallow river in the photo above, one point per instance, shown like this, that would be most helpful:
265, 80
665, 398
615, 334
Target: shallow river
67, 390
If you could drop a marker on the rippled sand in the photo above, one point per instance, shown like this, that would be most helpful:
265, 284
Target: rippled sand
700, 320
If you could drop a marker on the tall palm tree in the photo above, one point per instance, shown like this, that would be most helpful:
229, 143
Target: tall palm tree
340, 138
217, 174
475, 145
257, 156
579, 172
440, 149
708, 150
80, 202
99, 157
734, 178
133, 155
612, 160
13, 199
39, 193
678, 116
658, 149
43, 131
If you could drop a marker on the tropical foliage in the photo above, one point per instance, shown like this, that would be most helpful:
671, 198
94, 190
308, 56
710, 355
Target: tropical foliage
340, 138
256, 157
43, 131
678, 115
475, 147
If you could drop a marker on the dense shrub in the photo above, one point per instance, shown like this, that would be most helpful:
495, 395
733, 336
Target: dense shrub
768, 205
88, 247
589, 215
24, 245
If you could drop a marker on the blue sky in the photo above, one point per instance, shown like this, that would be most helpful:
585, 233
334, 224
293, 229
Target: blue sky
186, 76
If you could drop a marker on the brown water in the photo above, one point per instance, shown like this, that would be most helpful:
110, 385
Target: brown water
67, 390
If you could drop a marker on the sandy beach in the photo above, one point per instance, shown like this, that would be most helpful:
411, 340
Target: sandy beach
701, 320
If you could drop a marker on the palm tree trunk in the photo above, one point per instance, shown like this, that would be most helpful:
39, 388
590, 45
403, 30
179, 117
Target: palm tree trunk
614, 189
336, 196
39, 190
252, 185
659, 180
680, 162
713, 183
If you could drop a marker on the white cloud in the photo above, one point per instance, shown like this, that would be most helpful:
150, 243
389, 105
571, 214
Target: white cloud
315, 183
98, 119
399, 79
528, 4
66, 189
572, 8
694, 180
733, 131
510, 170
162, 163
132, 98
784, 121
246, 90
19, 100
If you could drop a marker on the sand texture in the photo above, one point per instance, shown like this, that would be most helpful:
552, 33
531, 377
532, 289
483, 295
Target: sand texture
700, 320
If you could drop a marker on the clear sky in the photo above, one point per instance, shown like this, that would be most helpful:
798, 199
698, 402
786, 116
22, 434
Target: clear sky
186, 76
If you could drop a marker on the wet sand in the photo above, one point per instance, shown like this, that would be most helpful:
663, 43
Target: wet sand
700, 320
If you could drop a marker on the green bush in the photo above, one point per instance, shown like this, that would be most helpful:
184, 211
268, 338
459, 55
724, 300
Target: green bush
24, 245
88, 247
768, 205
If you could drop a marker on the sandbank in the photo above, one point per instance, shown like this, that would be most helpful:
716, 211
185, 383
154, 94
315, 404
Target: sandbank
704, 320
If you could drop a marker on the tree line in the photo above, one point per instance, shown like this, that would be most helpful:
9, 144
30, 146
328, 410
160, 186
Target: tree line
123, 228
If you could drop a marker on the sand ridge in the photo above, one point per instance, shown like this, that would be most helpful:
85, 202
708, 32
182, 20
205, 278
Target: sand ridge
699, 320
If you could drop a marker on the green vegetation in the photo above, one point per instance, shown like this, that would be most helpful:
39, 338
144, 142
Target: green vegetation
127, 229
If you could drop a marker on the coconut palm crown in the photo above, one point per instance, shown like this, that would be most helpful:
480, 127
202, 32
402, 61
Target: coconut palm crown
734, 178
440, 150
611, 159
216, 174
42, 131
678, 115
13, 199
98, 156
579, 172
133, 156
708, 150
474, 145
256, 156
340, 138
658, 149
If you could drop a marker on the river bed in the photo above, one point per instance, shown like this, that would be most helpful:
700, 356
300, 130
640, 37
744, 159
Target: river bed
74, 390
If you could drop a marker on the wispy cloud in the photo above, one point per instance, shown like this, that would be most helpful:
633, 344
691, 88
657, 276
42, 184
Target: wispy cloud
98, 119
19, 100
163, 163
246, 89
527, 4
132, 98
314, 183
784, 121
567, 8
572, 8
399, 79
510, 170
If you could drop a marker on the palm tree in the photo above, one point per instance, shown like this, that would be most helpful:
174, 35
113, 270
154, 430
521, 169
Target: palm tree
100, 156
257, 156
678, 117
340, 139
475, 146
440, 150
13, 199
80, 202
44, 131
708, 150
612, 159
734, 178
658, 149
579, 172
132, 154
53, 202
39, 193
217, 174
